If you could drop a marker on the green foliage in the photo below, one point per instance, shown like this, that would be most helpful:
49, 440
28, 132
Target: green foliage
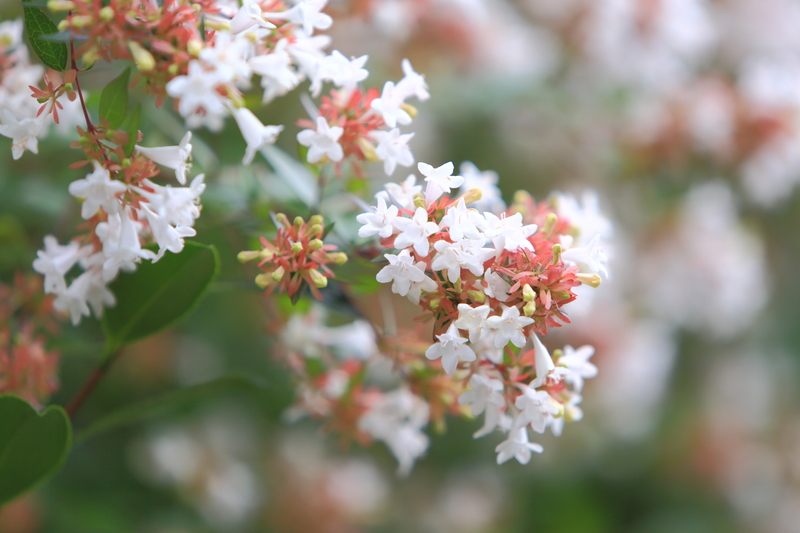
159, 294
131, 127
114, 100
32, 446
294, 174
168, 402
52, 54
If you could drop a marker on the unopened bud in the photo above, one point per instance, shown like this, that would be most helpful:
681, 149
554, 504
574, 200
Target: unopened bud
316, 219
319, 280
63, 25
60, 5
277, 275
218, 24
316, 229
194, 47
81, 21
368, 149
283, 220
90, 57
248, 255
144, 60
592, 280
314, 244
173, 69
264, 280
419, 201
477, 296
297, 247
251, 36
107, 14
550, 224
298, 221
529, 308
472, 195
556, 254
527, 293
434, 303
126, 163
339, 258
410, 109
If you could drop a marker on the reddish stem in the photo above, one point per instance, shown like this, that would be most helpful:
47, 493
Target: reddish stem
91, 383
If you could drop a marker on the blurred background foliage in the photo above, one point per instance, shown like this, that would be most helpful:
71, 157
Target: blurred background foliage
693, 424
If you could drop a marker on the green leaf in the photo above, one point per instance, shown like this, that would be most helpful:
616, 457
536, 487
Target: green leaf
53, 55
159, 294
294, 174
32, 446
169, 401
114, 100
66, 36
131, 127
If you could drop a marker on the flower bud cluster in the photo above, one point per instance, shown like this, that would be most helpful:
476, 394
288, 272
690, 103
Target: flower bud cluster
123, 210
296, 257
27, 318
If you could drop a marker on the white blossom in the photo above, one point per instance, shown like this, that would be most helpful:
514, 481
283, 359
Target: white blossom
390, 106
462, 222
87, 290
406, 276
200, 103
472, 319
322, 142
486, 181
121, 245
174, 157
412, 84
249, 15
415, 231
537, 408
440, 180
517, 446
23, 133
484, 391
543, 363
167, 237
508, 327
577, 362
306, 13
401, 194
344, 73
393, 149
592, 256
572, 413
255, 134
493, 417
98, 190
496, 286
450, 348
380, 222
56, 260
508, 233
180, 206
275, 68
466, 254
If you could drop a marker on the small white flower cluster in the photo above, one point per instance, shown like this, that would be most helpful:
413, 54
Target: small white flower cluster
164, 214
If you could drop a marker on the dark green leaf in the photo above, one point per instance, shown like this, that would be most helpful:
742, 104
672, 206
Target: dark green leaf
131, 127
114, 100
159, 294
53, 55
66, 36
166, 402
32, 446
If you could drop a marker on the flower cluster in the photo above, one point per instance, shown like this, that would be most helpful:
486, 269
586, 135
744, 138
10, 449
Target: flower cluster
123, 210
296, 257
27, 318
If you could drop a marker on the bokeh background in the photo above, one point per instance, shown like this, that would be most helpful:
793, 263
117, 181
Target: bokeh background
683, 115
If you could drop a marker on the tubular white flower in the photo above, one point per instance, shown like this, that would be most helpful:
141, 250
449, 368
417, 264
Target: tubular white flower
98, 190
440, 180
415, 232
537, 409
23, 133
255, 134
307, 13
517, 446
484, 391
56, 260
577, 362
200, 103
466, 254
322, 142
462, 222
405, 274
390, 106
508, 327
121, 245
472, 319
543, 363
277, 75
412, 84
451, 347
401, 194
380, 222
167, 237
393, 149
174, 157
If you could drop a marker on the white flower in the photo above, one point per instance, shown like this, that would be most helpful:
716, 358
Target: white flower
174, 157
23, 133
227, 57
56, 260
249, 15
405, 275
463, 222
200, 103
307, 13
167, 237
577, 361
307, 51
486, 181
403, 194
484, 391
592, 256
121, 245
496, 286
393, 149
397, 419
275, 69
179, 205
463, 254
517, 446
572, 413
97, 190
587, 219
415, 232
543, 363
440, 180
322, 142
88, 289
537, 409
508, 233
412, 83
343, 72
472, 319
255, 134
378, 223
451, 347
390, 106
508, 327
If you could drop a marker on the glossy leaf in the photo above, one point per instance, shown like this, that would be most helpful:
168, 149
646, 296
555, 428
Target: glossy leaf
52, 54
131, 127
32, 445
159, 294
114, 100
